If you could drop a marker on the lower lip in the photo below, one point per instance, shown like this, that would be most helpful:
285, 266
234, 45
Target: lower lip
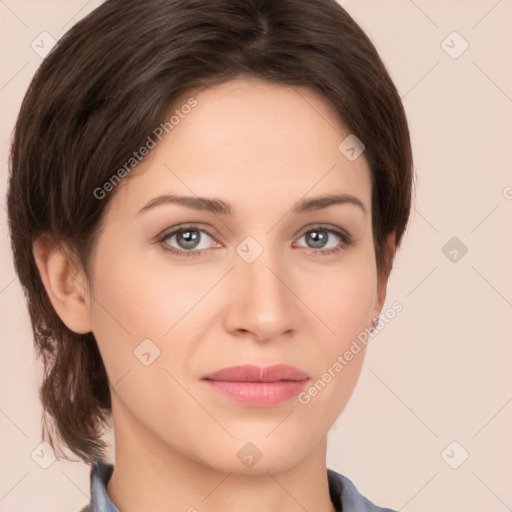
258, 394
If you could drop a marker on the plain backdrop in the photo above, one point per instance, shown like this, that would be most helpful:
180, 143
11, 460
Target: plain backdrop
428, 427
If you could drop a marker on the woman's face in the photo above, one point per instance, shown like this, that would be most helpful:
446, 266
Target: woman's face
267, 284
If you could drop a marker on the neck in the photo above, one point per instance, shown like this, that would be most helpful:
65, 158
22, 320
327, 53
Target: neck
151, 475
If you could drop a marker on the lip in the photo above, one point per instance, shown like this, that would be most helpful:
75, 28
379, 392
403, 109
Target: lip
258, 386
252, 373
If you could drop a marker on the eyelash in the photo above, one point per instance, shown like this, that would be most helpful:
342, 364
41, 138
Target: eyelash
347, 240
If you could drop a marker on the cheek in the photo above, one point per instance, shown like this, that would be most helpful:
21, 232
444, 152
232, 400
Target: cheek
135, 296
344, 296
143, 312
132, 309
125, 309
346, 309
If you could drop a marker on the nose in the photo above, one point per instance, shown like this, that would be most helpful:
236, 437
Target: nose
261, 303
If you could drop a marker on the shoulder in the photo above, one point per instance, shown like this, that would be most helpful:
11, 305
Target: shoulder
346, 497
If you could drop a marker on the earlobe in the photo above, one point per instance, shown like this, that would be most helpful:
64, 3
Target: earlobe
64, 285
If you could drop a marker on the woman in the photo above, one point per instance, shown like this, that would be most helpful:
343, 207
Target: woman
205, 203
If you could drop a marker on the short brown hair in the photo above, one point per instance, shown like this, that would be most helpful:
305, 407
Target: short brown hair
102, 90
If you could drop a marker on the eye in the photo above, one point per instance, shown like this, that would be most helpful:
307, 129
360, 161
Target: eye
319, 238
188, 240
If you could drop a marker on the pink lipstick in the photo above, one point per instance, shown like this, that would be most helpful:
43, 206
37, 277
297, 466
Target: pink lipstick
258, 386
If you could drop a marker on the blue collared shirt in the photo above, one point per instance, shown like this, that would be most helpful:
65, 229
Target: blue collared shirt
343, 492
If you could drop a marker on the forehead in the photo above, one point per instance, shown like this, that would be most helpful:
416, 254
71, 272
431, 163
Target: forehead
252, 143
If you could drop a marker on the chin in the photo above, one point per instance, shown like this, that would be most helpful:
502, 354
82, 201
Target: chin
256, 455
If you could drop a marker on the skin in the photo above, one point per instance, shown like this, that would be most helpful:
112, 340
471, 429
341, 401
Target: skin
262, 148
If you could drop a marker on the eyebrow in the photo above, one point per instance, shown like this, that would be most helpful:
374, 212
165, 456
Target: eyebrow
218, 206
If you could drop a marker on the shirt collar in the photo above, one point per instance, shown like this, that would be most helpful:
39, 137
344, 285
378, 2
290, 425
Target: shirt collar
344, 495
100, 500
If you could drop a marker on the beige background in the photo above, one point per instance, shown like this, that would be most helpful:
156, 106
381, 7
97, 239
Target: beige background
441, 370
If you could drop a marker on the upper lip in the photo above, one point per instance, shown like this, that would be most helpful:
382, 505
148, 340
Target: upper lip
252, 373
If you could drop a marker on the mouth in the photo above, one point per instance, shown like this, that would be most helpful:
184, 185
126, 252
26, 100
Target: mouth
258, 386
252, 373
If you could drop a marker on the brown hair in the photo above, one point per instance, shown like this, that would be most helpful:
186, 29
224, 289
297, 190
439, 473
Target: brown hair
102, 91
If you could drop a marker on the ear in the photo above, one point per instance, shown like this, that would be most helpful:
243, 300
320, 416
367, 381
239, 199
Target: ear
382, 278
64, 283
